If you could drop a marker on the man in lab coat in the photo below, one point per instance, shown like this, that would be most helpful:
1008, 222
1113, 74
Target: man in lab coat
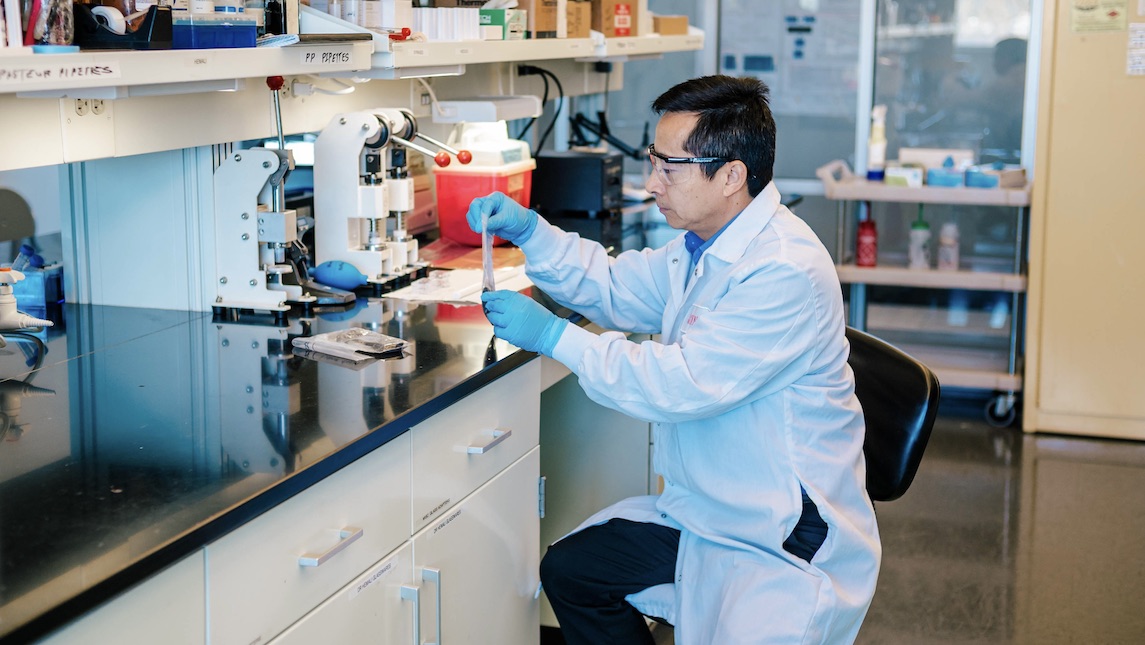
764, 532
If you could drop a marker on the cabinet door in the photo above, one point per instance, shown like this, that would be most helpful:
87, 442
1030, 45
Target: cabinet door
379, 607
466, 444
166, 608
479, 564
257, 581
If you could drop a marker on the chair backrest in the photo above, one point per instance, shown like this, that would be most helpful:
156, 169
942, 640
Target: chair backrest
899, 396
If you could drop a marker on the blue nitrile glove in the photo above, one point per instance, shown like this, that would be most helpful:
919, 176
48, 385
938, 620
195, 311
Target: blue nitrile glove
508, 220
523, 321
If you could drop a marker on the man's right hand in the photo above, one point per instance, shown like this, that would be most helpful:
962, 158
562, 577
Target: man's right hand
507, 219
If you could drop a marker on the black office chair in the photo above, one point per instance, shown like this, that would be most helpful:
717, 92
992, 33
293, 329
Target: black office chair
899, 396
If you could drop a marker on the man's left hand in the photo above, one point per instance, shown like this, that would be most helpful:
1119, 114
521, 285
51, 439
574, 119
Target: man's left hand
523, 321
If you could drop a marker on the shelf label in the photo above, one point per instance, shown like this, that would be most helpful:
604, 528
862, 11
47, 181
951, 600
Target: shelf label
50, 72
326, 57
464, 51
361, 586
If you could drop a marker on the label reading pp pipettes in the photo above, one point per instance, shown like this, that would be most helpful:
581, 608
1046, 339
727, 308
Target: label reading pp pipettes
319, 57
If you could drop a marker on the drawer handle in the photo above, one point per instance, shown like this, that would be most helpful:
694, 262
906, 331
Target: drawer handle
414, 594
349, 535
498, 437
430, 574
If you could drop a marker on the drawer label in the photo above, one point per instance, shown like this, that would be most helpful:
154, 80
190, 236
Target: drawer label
360, 587
435, 510
48, 72
444, 523
326, 57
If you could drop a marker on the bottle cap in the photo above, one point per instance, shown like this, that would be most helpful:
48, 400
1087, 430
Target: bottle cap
919, 225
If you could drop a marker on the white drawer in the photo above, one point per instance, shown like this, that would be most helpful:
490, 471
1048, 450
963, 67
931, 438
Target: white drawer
166, 608
458, 449
379, 607
256, 582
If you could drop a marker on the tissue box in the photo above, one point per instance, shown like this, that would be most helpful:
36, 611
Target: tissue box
503, 24
616, 18
904, 175
670, 25
993, 176
579, 16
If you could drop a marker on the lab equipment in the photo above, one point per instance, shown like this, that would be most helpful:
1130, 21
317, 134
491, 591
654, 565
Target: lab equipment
499, 164
867, 242
10, 317
487, 282
948, 243
918, 253
877, 144
24, 257
252, 238
361, 183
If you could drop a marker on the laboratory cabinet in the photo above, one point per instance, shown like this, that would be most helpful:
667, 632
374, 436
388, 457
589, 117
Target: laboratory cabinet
167, 608
264, 575
472, 575
1086, 296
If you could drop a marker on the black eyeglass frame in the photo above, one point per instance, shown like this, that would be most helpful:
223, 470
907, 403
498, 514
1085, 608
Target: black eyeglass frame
667, 159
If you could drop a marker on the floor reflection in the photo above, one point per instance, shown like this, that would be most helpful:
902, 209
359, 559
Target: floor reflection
1013, 538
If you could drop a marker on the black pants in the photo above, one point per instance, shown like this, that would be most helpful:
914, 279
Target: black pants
587, 575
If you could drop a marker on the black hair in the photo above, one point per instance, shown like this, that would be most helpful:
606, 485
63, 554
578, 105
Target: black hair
734, 122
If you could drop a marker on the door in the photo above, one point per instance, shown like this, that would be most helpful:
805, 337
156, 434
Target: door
478, 564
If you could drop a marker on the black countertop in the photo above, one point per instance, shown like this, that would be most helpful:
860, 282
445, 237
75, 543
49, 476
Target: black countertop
133, 437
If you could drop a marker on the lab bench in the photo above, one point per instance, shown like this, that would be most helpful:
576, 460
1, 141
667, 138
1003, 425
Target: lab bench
159, 467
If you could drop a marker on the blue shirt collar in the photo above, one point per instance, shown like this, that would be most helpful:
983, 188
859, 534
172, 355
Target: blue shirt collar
696, 245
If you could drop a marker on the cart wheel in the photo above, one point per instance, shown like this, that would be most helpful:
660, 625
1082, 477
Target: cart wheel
1001, 411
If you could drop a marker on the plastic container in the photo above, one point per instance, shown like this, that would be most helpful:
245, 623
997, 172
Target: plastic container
919, 250
867, 244
458, 185
213, 31
877, 144
948, 247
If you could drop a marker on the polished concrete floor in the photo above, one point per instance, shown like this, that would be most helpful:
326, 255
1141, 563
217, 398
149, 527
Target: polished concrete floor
1011, 538
1007, 537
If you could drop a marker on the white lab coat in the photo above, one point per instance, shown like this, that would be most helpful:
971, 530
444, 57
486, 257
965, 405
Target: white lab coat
751, 396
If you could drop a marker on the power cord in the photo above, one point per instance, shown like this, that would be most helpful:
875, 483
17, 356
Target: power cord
527, 70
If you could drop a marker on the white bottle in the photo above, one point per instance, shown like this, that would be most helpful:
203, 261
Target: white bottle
918, 253
948, 247
877, 144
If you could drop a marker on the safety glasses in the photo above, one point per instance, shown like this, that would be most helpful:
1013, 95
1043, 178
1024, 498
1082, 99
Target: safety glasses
662, 166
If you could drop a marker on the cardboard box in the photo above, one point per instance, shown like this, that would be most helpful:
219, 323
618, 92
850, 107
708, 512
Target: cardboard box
616, 18
503, 24
579, 18
547, 18
670, 25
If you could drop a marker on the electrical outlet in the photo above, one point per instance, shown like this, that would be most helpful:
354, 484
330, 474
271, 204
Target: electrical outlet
83, 107
98, 106
425, 98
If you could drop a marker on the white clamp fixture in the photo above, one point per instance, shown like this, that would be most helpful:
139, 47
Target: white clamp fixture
12, 319
361, 179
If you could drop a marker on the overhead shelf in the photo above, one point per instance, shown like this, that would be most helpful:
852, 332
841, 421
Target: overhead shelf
932, 279
840, 183
451, 57
70, 74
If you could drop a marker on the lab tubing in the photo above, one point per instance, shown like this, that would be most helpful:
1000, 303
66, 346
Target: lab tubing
348, 535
